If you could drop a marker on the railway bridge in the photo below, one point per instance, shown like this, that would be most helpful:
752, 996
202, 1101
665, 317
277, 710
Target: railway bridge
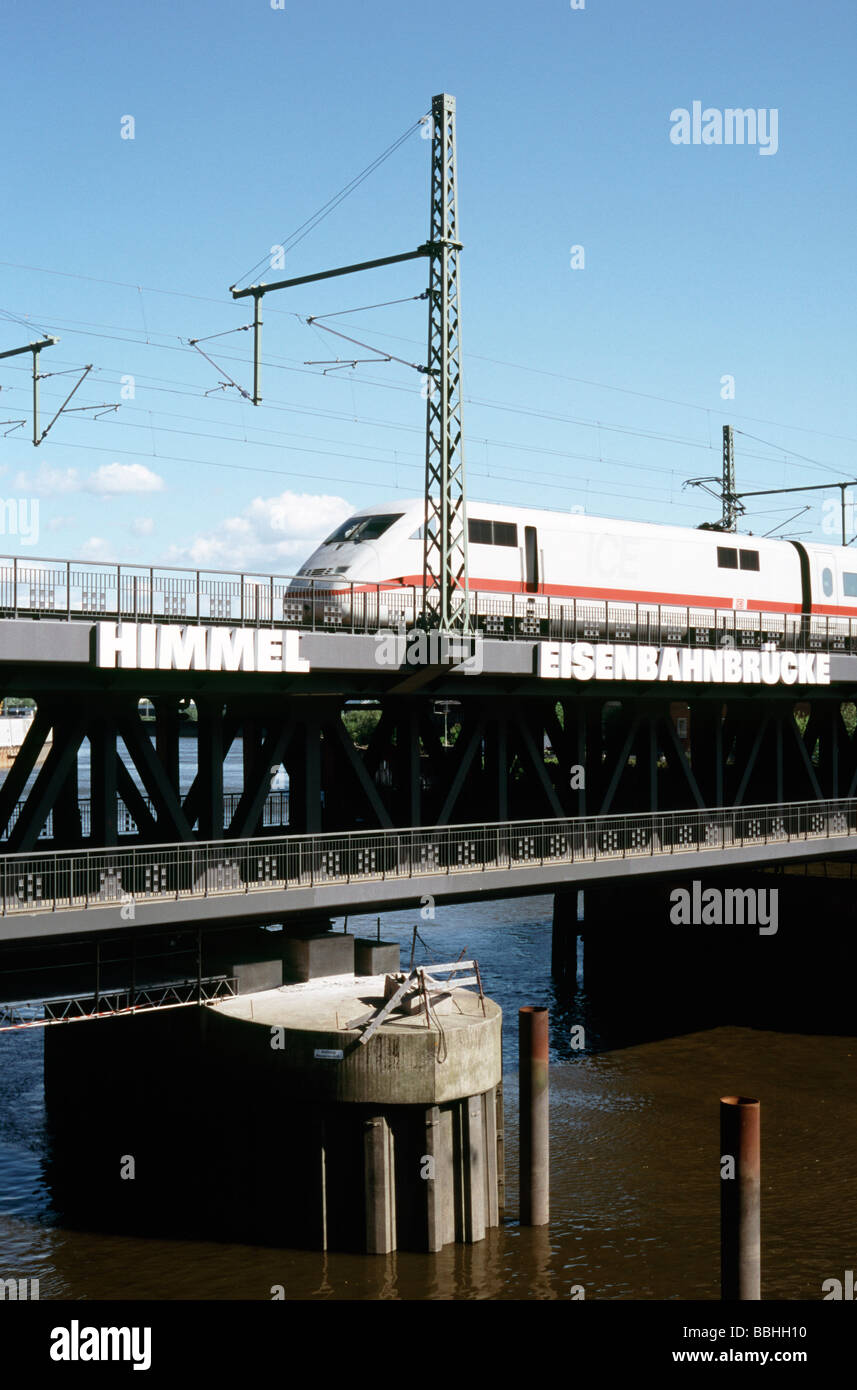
543, 712
600, 747
552, 748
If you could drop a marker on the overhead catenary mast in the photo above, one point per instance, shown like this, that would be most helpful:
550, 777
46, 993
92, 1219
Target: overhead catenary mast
729, 521
445, 582
732, 503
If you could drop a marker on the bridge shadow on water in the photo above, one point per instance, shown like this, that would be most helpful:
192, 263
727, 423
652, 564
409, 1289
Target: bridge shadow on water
657, 960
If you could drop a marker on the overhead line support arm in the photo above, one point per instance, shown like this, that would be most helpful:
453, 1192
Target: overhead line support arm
259, 291
35, 349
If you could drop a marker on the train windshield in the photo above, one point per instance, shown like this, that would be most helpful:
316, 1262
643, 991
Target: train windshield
364, 528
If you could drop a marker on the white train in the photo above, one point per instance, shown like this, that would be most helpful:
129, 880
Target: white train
557, 573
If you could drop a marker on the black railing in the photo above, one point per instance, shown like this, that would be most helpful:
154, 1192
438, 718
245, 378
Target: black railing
107, 878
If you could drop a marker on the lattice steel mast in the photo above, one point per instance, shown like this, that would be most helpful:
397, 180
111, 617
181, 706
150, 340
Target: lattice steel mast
445, 582
729, 521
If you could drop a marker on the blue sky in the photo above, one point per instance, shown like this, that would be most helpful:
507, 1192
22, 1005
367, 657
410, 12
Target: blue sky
599, 386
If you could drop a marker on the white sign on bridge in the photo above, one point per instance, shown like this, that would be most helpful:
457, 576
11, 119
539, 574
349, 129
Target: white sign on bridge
170, 647
585, 661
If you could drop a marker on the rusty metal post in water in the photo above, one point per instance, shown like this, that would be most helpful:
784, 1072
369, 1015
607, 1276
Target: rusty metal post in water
740, 1199
534, 1179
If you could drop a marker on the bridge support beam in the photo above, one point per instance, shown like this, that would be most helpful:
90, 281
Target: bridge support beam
210, 754
554, 759
564, 937
379, 1167
59, 765
104, 826
168, 736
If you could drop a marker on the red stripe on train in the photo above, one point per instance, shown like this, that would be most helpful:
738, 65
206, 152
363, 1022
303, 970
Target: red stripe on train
501, 586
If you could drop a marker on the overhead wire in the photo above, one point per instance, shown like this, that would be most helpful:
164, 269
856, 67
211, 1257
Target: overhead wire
25, 323
297, 236
500, 362
495, 471
276, 364
581, 457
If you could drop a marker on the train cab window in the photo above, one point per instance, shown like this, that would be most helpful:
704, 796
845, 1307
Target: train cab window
727, 557
827, 582
749, 559
492, 532
364, 528
849, 584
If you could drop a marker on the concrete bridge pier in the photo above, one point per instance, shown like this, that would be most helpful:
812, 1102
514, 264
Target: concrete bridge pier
564, 938
264, 1119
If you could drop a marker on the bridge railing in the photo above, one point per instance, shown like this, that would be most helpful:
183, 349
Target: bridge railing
115, 877
77, 590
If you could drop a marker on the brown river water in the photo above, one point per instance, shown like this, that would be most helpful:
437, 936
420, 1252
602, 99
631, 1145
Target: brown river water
634, 1164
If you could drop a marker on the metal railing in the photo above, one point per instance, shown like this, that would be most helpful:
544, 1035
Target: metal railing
102, 877
209, 989
275, 813
76, 590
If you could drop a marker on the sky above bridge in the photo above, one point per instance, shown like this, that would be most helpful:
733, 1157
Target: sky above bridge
632, 278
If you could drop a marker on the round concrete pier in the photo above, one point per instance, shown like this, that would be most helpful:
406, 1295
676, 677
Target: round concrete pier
264, 1118
405, 1062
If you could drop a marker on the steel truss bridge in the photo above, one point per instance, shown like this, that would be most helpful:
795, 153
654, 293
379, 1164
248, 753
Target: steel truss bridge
522, 746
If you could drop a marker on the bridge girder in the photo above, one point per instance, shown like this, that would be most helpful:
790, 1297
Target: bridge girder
507, 756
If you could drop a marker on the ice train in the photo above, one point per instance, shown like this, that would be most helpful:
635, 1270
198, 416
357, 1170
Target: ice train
551, 573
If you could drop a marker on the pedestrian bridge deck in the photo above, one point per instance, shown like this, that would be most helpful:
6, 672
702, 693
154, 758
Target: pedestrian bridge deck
292, 876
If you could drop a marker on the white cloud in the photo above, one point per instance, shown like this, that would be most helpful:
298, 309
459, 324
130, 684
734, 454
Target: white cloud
272, 532
49, 480
111, 479
59, 523
142, 526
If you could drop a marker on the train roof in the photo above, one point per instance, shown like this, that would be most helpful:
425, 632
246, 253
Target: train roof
572, 520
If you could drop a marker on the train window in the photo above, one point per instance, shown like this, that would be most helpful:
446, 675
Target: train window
827, 582
727, 557
364, 528
492, 532
849, 584
749, 559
